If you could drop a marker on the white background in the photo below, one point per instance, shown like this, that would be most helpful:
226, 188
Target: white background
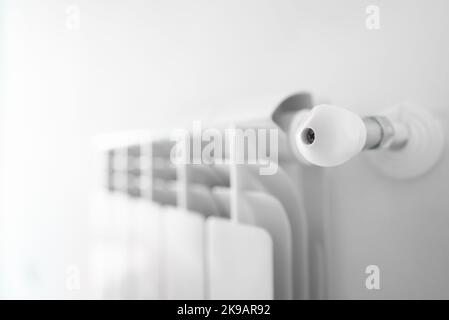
160, 64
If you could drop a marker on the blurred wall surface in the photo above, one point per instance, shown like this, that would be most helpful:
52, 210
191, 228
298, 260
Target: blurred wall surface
75, 69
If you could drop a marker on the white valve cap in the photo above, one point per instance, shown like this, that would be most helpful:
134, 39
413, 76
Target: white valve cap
330, 136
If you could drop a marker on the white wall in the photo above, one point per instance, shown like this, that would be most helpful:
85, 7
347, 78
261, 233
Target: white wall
158, 64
